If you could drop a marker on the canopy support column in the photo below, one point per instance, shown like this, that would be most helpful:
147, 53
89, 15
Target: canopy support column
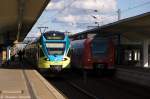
145, 53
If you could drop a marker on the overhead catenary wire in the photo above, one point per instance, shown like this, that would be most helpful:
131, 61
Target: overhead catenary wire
69, 5
137, 6
85, 10
110, 14
60, 11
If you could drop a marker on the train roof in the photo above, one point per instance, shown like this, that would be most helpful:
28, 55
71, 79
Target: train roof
54, 32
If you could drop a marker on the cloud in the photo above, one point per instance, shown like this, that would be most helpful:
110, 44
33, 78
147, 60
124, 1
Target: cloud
55, 5
103, 5
77, 15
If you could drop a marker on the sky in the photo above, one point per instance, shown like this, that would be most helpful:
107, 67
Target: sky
78, 15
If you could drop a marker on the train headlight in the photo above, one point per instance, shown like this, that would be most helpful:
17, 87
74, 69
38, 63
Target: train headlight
89, 59
64, 59
111, 59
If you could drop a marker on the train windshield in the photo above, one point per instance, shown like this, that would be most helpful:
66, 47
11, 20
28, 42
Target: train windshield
54, 36
99, 47
55, 48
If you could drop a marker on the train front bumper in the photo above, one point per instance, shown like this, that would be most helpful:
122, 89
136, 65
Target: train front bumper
54, 64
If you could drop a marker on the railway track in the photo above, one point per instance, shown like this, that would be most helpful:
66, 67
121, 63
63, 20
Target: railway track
133, 91
131, 88
71, 90
74, 87
90, 95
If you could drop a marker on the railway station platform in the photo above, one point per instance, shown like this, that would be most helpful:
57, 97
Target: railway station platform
26, 83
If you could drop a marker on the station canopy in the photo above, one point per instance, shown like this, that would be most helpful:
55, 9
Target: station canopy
17, 17
134, 28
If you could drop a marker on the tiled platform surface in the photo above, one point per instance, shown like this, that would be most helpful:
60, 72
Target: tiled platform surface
26, 84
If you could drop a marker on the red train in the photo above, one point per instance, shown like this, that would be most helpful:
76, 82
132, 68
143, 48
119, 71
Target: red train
96, 54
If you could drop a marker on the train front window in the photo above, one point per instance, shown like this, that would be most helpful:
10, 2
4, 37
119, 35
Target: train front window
55, 45
55, 48
99, 47
55, 51
54, 36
